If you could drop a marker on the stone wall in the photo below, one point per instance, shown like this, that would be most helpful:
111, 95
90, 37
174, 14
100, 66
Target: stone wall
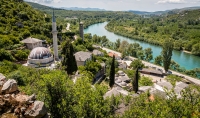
14, 104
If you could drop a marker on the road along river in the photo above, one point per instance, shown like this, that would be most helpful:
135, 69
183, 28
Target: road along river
193, 80
185, 60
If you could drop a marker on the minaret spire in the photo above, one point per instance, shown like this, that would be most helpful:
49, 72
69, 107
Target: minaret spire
81, 33
55, 42
53, 18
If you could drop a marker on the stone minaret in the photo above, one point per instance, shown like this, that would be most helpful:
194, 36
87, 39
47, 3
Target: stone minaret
81, 30
55, 42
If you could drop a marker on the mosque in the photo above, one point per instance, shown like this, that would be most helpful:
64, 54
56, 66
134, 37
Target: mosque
41, 56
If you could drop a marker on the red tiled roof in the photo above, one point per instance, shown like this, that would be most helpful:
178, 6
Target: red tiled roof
111, 54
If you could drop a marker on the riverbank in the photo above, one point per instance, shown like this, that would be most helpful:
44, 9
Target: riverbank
185, 60
146, 37
187, 51
191, 79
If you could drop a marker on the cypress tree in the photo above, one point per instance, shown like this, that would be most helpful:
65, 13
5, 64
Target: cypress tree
69, 61
168, 46
135, 81
112, 73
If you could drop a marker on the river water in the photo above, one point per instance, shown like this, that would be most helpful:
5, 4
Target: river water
185, 60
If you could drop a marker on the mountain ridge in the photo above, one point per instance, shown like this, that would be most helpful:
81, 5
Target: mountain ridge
171, 11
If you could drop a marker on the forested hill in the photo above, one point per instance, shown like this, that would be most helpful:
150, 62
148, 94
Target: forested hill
18, 20
183, 27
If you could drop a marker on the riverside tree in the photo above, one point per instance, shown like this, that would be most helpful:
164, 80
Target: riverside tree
112, 73
148, 54
137, 64
158, 60
167, 53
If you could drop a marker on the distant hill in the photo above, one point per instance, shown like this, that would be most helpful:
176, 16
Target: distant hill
173, 11
43, 7
82, 9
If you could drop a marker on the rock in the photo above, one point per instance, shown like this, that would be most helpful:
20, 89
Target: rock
7, 97
9, 87
31, 99
23, 109
37, 111
2, 79
21, 98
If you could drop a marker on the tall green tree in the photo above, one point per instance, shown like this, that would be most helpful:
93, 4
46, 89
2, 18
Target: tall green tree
135, 81
112, 73
168, 45
148, 54
158, 60
69, 61
137, 64
117, 43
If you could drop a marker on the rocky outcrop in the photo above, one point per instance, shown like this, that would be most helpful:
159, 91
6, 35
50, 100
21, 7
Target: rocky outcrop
2, 79
9, 87
16, 104
37, 111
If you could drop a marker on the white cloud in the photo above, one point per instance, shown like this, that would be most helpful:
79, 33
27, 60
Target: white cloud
171, 1
45, 1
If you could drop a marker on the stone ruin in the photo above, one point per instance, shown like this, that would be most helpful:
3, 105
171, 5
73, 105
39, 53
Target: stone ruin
14, 104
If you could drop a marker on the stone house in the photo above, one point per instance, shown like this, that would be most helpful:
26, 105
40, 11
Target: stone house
32, 43
82, 57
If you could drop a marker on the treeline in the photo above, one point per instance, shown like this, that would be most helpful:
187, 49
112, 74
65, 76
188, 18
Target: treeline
183, 27
88, 17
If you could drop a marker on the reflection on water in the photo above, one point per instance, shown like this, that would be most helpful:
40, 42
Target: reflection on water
183, 59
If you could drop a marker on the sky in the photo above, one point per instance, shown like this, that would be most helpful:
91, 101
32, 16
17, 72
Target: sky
122, 5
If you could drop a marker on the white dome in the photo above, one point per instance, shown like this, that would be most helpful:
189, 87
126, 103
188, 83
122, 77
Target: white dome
40, 53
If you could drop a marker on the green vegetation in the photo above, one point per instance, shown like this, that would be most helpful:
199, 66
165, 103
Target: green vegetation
173, 79
137, 64
167, 53
87, 17
62, 97
182, 27
69, 61
18, 21
158, 60
145, 81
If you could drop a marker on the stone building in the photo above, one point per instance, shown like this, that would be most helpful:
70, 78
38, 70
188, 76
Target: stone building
82, 57
40, 57
32, 43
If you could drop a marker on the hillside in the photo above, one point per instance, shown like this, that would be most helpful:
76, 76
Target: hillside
183, 27
18, 20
